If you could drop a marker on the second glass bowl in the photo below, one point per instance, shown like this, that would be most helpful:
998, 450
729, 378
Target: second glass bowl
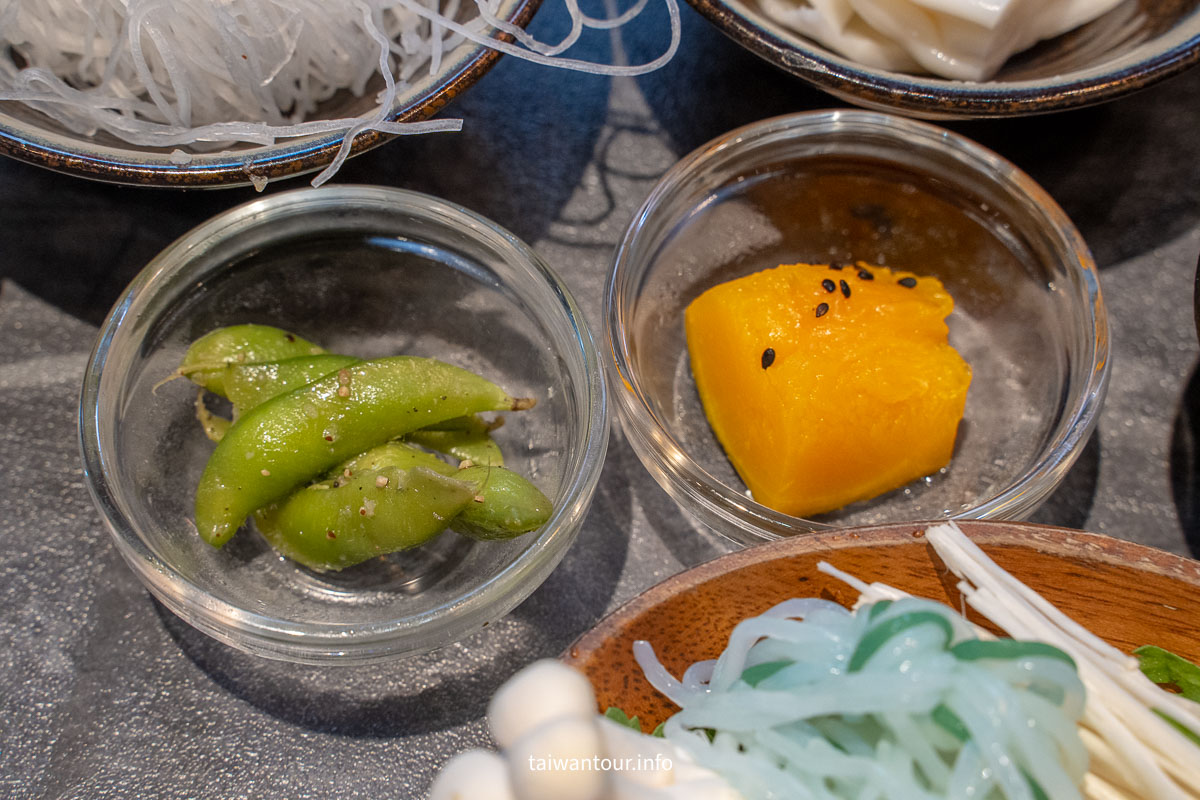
862, 186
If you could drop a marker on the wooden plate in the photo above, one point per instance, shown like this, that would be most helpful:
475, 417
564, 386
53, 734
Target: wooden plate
1127, 593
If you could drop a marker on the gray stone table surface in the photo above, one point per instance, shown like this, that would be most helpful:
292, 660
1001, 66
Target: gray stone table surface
105, 694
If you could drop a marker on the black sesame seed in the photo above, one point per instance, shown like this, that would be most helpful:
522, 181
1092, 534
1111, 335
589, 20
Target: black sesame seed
845, 288
866, 276
828, 285
907, 283
822, 309
768, 357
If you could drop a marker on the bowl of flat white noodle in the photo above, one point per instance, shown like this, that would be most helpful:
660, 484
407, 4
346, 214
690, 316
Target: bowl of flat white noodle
941, 59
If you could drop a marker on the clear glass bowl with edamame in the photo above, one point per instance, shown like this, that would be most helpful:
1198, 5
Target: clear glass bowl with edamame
367, 271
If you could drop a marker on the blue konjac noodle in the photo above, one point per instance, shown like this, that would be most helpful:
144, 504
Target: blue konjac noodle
898, 700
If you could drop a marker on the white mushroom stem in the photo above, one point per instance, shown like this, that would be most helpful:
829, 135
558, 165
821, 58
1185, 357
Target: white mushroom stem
557, 748
562, 759
540, 692
473, 775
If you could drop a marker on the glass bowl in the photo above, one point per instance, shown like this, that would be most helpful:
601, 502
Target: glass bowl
367, 271
851, 186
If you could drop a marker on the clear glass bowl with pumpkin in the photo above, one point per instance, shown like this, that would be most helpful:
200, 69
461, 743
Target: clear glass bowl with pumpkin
851, 187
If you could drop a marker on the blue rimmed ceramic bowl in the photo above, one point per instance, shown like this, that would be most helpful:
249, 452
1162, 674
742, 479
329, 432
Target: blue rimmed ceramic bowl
28, 135
1138, 43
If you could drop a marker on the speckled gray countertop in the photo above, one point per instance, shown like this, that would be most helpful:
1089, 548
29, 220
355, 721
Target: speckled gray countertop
105, 694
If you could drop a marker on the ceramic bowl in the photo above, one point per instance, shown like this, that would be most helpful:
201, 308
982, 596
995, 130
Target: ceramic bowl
1128, 594
1138, 43
31, 136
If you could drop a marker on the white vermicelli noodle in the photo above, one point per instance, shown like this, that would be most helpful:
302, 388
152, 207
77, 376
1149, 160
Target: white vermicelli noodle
212, 73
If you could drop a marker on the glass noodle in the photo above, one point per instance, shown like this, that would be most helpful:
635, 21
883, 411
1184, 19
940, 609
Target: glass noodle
211, 73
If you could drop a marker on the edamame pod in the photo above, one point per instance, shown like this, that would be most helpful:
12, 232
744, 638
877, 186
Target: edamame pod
251, 385
505, 504
257, 362
248, 385
391, 454
327, 527
239, 344
298, 436
465, 438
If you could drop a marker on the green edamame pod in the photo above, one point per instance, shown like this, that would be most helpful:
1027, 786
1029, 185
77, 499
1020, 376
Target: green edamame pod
250, 385
392, 454
465, 438
297, 436
253, 366
239, 344
505, 505
331, 527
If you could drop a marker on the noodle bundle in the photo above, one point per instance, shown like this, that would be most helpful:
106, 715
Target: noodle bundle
211, 73
899, 700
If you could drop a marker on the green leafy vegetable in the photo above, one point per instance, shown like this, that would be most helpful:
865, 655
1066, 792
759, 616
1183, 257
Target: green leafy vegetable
621, 718
1165, 668
1179, 726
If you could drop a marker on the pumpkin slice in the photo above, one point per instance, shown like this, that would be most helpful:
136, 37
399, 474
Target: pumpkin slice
828, 384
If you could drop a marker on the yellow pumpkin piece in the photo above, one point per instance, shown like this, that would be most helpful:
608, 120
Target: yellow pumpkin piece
826, 386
